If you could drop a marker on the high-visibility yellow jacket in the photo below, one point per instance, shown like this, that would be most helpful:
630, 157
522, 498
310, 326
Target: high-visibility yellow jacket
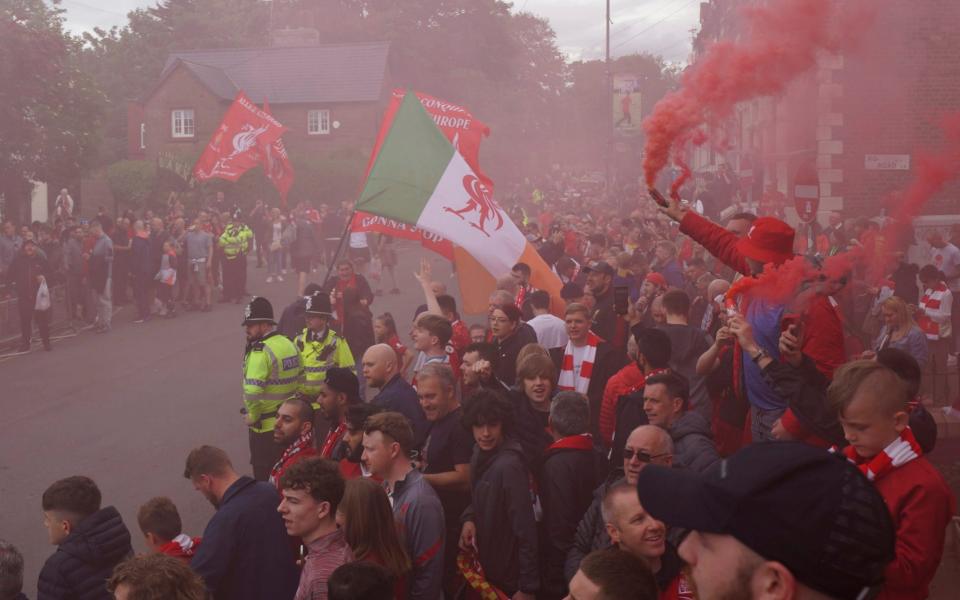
271, 374
317, 355
234, 240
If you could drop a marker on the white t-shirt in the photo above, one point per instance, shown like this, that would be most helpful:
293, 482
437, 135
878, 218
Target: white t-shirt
551, 331
947, 259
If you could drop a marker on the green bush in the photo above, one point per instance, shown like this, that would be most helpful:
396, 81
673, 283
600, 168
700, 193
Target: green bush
132, 183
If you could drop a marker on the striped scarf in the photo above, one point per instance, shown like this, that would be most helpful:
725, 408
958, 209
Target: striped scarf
931, 300
303, 442
469, 566
579, 382
901, 451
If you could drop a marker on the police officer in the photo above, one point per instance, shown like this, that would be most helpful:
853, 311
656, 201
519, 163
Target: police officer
320, 346
271, 374
235, 241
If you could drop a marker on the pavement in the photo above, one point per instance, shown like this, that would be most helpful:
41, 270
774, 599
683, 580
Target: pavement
126, 407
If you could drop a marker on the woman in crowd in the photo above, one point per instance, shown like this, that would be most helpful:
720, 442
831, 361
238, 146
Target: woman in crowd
900, 331
367, 521
509, 338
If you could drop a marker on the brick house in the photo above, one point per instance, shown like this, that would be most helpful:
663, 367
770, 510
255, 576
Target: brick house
329, 96
858, 120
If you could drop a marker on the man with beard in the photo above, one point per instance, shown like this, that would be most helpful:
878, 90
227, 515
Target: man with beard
339, 391
605, 321
351, 465
294, 433
271, 374
741, 546
245, 554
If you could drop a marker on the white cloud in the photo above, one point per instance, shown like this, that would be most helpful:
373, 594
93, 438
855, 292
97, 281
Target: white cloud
656, 26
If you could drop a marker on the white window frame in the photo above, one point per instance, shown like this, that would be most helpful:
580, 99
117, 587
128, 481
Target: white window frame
182, 116
318, 121
143, 136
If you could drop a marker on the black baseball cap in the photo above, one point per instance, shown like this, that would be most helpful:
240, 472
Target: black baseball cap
809, 509
601, 267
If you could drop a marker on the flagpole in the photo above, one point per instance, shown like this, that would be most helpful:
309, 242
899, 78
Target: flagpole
343, 238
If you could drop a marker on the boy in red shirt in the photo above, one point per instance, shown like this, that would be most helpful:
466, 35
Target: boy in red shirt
871, 401
160, 523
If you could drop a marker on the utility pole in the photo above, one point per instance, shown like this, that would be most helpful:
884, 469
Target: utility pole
608, 94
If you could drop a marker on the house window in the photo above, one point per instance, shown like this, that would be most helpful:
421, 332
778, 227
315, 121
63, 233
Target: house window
181, 123
318, 122
143, 136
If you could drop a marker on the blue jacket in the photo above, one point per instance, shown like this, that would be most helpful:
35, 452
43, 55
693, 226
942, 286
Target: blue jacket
246, 552
399, 396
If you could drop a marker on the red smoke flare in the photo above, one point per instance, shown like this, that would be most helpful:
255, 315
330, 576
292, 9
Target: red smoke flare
783, 284
782, 42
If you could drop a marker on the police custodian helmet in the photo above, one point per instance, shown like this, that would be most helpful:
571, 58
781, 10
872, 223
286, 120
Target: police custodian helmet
318, 305
258, 311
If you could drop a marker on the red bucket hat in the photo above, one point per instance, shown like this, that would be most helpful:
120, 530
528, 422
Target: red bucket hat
769, 240
656, 279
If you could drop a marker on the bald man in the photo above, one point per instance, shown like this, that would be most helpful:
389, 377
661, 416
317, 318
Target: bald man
647, 444
381, 371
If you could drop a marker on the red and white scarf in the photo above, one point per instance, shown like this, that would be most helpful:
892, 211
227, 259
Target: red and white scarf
901, 451
579, 382
932, 300
303, 442
333, 438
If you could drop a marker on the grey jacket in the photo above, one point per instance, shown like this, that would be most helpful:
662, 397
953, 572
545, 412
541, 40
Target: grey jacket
418, 511
693, 446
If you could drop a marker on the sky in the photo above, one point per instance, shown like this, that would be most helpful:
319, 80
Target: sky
657, 26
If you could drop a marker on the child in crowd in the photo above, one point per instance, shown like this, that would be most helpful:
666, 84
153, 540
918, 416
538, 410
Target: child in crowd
431, 336
162, 529
871, 401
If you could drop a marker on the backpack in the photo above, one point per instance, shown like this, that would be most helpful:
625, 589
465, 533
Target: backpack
629, 416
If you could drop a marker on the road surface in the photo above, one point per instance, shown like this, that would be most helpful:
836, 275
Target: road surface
126, 407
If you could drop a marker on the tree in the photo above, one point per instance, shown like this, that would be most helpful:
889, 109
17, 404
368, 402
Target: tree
127, 61
50, 111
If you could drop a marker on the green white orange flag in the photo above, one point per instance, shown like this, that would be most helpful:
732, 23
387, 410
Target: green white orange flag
419, 178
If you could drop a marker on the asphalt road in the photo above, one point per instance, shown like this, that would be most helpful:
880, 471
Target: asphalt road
126, 407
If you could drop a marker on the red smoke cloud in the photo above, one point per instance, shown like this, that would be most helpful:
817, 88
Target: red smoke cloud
782, 42
783, 284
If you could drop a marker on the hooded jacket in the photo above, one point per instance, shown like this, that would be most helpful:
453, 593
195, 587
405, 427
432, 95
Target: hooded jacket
417, 510
501, 507
693, 446
84, 561
687, 344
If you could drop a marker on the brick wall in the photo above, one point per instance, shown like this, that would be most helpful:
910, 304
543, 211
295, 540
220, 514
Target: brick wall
357, 129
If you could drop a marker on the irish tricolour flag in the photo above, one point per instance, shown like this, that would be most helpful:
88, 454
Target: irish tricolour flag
419, 178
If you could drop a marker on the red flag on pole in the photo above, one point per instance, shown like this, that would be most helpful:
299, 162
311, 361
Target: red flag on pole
236, 144
276, 165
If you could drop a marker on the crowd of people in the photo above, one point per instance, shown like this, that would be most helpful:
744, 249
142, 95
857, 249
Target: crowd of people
654, 435
160, 262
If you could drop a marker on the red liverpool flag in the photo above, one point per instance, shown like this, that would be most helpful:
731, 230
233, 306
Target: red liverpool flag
276, 164
236, 144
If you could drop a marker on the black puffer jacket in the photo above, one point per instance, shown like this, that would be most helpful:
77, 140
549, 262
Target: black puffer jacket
501, 507
80, 567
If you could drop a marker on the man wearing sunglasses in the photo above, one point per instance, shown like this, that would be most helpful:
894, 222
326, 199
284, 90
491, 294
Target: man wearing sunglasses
645, 445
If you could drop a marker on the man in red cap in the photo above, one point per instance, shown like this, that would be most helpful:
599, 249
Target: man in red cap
768, 241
